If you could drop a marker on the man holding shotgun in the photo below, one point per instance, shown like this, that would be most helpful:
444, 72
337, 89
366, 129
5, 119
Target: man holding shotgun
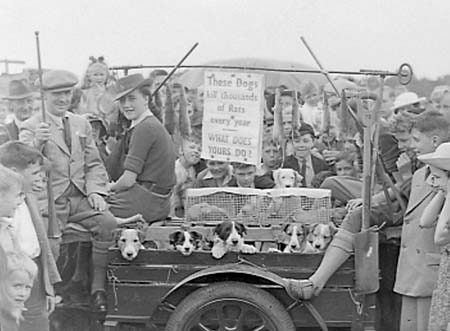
79, 177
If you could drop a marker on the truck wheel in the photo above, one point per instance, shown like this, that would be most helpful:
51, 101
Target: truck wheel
230, 306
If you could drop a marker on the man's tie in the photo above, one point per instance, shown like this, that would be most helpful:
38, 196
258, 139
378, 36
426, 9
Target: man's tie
67, 133
303, 172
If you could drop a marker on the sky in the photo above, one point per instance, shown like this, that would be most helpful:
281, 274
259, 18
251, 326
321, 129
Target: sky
344, 34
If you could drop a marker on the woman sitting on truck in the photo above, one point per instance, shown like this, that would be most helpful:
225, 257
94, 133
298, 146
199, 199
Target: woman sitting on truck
146, 156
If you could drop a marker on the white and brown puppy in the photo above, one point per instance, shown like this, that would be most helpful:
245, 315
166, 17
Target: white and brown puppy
186, 241
229, 237
129, 242
320, 235
295, 238
287, 178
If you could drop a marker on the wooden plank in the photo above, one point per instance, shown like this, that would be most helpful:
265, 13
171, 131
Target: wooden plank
262, 259
175, 274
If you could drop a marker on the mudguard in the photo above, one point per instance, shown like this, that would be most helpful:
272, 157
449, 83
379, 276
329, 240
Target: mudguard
243, 269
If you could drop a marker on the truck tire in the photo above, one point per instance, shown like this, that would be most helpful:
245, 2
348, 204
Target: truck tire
230, 306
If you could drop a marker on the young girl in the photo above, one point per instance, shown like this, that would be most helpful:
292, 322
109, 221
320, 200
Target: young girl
16, 281
439, 208
96, 98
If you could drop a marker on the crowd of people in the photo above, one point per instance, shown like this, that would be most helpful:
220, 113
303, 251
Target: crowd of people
114, 147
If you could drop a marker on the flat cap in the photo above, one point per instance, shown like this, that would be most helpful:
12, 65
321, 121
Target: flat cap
58, 80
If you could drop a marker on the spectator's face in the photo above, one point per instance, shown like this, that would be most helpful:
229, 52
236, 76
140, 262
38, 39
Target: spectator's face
303, 145
422, 143
386, 106
218, 169
33, 176
403, 141
439, 178
444, 105
286, 101
271, 156
199, 99
245, 176
98, 75
18, 288
157, 80
10, 200
133, 105
287, 123
191, 152
344, 168
58, 102
312, 99
22, 108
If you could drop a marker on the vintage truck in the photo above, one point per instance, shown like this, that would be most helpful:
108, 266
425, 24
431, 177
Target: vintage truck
164, 290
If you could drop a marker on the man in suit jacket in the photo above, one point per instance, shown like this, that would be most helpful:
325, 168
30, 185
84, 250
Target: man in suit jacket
20, 101
79, 176
30, 235
303, 161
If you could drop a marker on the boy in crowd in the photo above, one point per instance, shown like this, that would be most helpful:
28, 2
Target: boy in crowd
30, 235
303, 161
310, 111
185, 172
216, 174
244, 175
271, 156
346, 185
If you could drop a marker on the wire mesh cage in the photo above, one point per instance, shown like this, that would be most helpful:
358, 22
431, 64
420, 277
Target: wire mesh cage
264, 207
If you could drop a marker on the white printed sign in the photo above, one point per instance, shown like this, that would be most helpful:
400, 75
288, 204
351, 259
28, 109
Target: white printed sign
233, 117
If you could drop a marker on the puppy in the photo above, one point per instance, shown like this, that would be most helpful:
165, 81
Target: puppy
229, 237
286, 178
129, 242
320, 235
186, 241
295, 238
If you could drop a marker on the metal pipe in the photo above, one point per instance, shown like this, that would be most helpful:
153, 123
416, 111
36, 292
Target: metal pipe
175, 68
282, 70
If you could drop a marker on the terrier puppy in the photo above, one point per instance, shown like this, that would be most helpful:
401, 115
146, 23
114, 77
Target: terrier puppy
186, 241
295, 239
320, 235
230, 238
129, 242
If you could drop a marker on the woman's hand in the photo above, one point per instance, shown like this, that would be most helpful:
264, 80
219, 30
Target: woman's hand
354, 203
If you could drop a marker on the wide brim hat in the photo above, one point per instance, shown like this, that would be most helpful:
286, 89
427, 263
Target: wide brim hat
19, 89
407, 99
440, 158
128, 84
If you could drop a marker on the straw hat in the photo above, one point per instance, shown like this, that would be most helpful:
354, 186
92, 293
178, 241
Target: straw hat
406, 99
440, 158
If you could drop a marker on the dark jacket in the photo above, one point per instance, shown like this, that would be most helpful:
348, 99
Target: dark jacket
291, 162
261, 182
